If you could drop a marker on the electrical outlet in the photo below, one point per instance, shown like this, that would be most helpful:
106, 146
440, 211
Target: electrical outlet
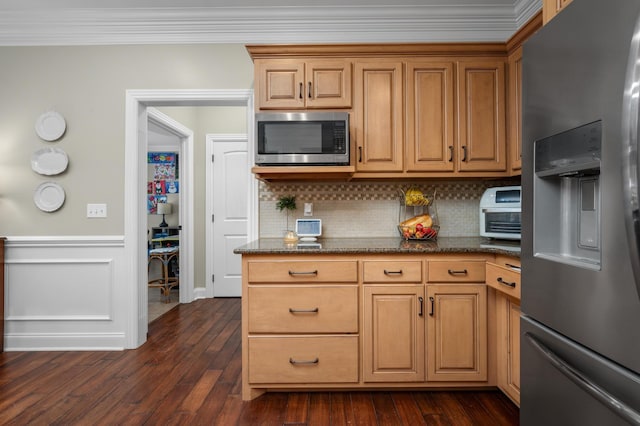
308, 209
96, 210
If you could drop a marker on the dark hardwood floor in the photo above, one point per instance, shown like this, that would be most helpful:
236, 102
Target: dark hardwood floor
188, 372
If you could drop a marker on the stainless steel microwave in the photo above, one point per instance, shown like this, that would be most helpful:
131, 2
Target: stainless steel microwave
302, 138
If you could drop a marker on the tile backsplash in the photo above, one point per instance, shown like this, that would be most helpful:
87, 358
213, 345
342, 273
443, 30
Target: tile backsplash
372, 209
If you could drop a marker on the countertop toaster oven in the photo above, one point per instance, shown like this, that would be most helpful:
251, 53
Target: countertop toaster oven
501, 213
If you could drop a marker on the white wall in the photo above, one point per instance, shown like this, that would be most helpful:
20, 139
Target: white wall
65, 275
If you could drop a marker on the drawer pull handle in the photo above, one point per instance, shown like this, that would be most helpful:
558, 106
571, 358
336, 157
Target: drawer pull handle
294, 273
304, 311
432, 301
386, 272
513, 266
454, 272
309, 362
507, 283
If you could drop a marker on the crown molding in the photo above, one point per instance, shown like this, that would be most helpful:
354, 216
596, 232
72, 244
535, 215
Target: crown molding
295, 24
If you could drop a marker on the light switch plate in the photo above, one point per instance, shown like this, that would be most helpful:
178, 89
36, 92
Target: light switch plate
96, 210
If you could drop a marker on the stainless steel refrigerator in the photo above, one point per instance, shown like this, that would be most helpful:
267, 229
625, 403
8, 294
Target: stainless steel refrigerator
580, 325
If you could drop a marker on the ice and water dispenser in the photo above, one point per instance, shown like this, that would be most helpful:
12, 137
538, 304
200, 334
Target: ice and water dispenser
566, 216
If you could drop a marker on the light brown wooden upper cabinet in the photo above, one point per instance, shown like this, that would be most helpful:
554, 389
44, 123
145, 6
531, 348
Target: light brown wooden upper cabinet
296, 84
551, 8
430, 115
481, 116
515, 109
378, 114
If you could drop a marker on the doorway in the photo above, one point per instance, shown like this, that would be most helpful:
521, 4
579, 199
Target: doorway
136, 116
167, 136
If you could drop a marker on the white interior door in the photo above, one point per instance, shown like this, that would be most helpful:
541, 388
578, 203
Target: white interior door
230, 198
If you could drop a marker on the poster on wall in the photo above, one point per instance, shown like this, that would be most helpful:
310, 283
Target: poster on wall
152, 202
161, 187
164, 172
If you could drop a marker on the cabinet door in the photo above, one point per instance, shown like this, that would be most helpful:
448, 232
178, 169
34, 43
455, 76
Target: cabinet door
280, 83
551, 8
328, 84
393, 330
508, 335
481, 116
457, 332
515, 109
430, 116
379, 113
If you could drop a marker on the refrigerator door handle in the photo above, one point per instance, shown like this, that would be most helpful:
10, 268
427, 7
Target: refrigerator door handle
630, 167
575, 375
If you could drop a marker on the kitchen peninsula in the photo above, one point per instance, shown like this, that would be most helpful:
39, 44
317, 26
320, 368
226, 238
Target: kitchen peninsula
375, 313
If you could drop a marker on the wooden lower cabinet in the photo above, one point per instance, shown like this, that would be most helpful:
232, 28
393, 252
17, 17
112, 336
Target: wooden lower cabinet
503, 276
393, 333
508, 353
457, 332
364, 322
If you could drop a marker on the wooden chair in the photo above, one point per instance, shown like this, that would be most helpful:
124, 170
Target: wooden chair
165, 283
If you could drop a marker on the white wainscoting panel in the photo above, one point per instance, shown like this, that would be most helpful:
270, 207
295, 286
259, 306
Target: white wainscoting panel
62, 289
65, 293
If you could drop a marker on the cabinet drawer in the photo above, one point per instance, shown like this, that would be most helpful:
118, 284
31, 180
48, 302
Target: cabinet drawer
459, 271
303, 271
313, 359
508, 261
504, 279
306, 309
393, 271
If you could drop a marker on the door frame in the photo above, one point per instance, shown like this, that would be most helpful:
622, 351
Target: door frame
135, 188
185, 197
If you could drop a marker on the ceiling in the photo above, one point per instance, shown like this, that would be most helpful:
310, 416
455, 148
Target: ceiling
87, 22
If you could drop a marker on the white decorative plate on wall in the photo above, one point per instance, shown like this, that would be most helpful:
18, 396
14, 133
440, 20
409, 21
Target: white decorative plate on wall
49, 196
50, 126
49, 161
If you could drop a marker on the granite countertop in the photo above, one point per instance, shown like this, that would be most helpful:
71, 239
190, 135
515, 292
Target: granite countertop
382, 245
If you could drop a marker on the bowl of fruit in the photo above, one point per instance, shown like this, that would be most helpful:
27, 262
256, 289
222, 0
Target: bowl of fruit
420, 227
